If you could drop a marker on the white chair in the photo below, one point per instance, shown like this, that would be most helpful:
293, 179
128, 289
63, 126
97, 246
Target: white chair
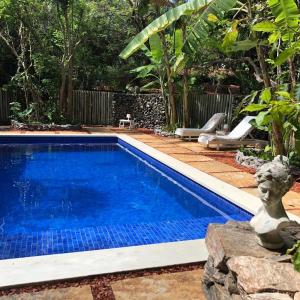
237, 137
210, 126
128, 121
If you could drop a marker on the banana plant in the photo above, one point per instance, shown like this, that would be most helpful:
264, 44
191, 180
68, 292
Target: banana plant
155, 70
206, 11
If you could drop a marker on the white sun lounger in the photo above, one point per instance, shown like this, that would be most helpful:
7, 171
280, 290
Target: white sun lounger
237, 137
210, 126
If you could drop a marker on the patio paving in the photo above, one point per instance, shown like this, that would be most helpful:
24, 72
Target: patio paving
193, 154
73, 293
176, 286
213, 167
191, 158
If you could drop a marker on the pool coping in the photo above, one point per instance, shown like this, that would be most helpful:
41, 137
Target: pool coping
39, 269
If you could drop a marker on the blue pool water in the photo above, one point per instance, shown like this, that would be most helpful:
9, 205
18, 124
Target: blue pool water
73, 195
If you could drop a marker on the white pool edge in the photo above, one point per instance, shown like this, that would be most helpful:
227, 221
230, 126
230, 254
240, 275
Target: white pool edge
32, 270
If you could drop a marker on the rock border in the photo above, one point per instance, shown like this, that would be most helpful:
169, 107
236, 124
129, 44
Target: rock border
43, 127
249, 161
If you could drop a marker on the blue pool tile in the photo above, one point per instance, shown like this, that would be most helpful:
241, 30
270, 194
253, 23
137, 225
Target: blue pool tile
117, 235
103, 237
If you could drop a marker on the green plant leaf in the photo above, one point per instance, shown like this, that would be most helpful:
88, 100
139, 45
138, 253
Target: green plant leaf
266, 95
297, 92
244, 45
274, 37
255, 107
162, 22
295, 252
284, 94
180, 63
263, 118
212, 18
178, 42
199, 32
265, 26
284, 56
156, 47
286, 16
230, 37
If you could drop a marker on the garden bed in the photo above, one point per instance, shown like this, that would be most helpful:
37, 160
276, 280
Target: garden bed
43, 127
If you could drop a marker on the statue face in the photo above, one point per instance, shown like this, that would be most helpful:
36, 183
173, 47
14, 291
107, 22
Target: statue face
269, 192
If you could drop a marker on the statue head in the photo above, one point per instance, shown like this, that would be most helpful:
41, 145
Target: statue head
274, 180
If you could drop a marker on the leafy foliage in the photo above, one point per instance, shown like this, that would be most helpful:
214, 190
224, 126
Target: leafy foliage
295, 251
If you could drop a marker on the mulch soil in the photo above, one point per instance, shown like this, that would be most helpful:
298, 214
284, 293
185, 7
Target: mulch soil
100, 285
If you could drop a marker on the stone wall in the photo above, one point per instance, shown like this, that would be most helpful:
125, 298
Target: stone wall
147, 110
238, 268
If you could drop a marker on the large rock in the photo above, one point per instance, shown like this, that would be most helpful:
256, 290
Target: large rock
233, 239
297, 296
269, 296
257, 275
211, 274
219, 292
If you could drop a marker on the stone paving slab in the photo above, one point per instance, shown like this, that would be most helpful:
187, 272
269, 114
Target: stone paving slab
176, 286
237, 179
156, 144
291, 200
213, 167
72, 293
252, 191
174, 150
225, 172
187, 158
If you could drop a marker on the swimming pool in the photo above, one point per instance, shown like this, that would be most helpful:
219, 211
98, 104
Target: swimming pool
69, 194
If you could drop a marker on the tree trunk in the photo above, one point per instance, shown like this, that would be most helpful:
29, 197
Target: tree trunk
263, 66
171, 86
276, 128
292, 74
62, 93
186, 113
278, 139
70, 91
185, 100
163, 93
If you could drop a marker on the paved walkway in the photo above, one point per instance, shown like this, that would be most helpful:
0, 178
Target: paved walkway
194, 154
168, 286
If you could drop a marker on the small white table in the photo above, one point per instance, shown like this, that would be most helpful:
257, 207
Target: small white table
124, 122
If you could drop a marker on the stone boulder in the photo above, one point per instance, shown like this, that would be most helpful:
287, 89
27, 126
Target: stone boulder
269, 296
238, 268
224, 242
257, 275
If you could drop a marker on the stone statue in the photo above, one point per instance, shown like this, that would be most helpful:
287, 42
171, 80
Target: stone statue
274, 181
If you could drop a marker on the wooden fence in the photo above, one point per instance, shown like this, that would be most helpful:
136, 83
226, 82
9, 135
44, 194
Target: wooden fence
5, 99
96, 108
202, 107
93, 107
